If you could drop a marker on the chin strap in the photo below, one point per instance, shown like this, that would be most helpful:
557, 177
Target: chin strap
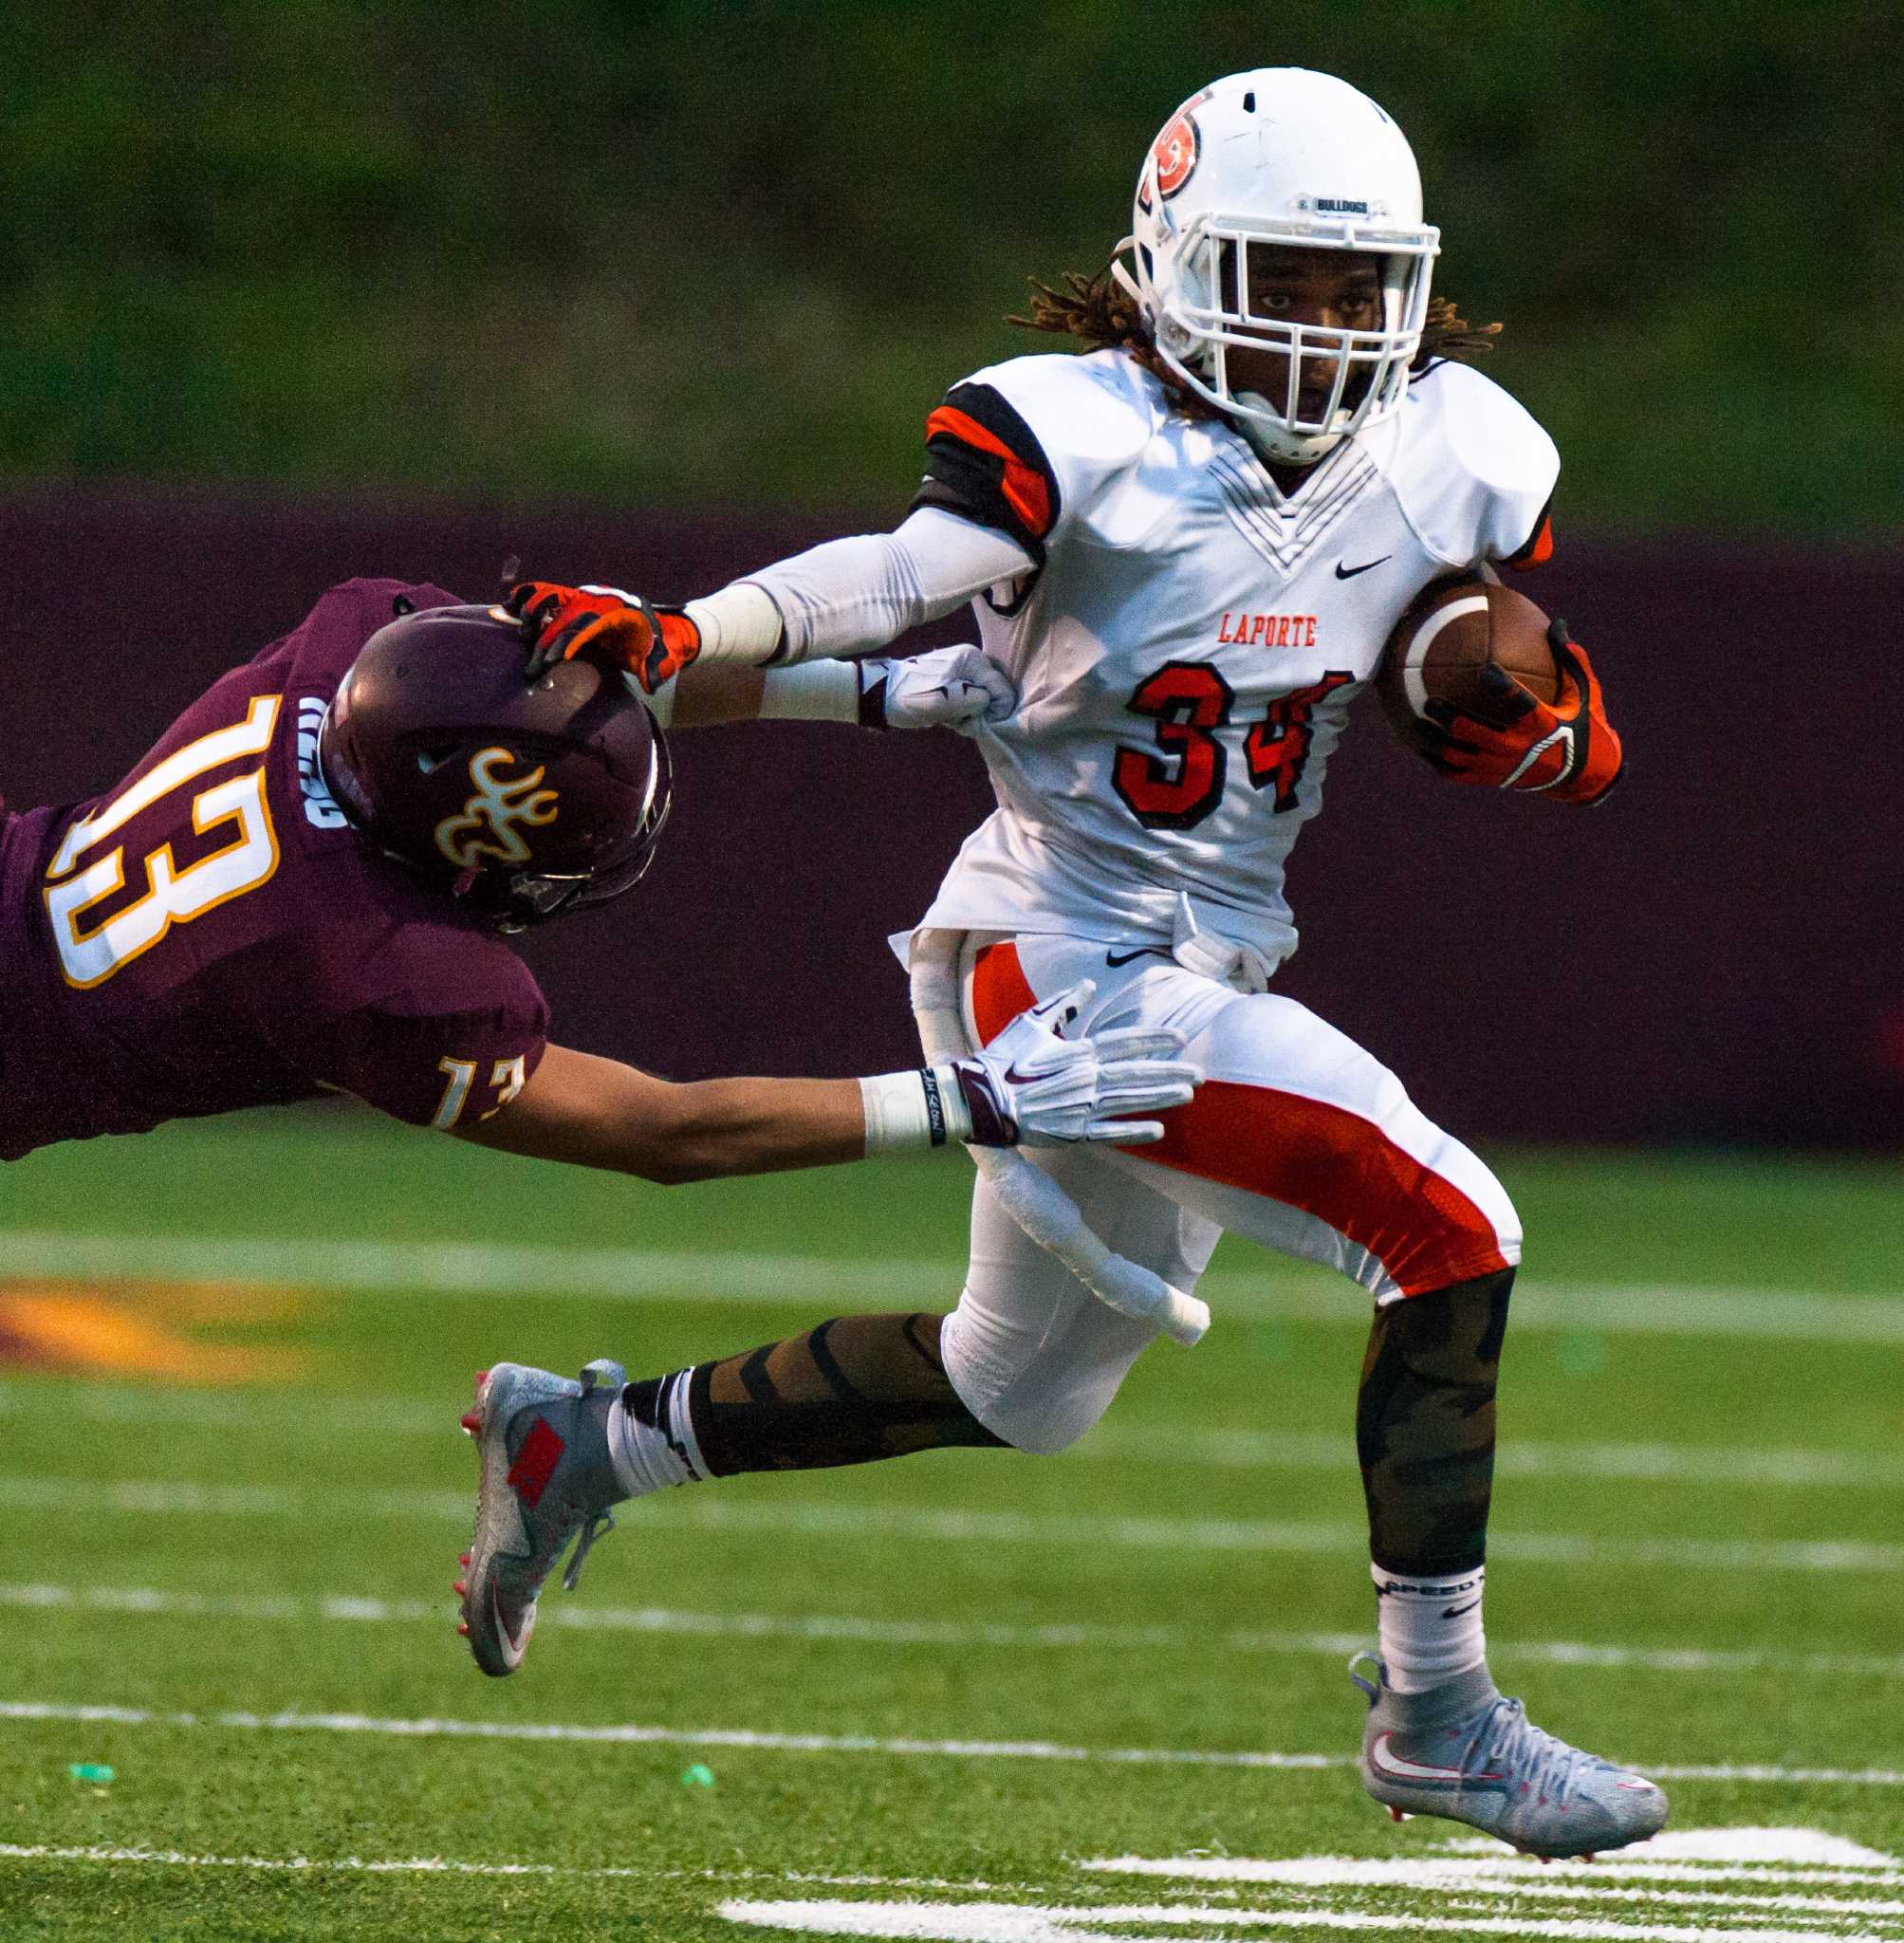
1274, 447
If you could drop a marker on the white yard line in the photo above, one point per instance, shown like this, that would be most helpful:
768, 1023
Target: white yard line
182, 1859
1005, 1922
440, 1865
1520, 1875
1651, 1463
1020, 1922
692, 1509
1485, 1879
291, 1721
749, 1280
313, 1417
151, 1601
631, 1734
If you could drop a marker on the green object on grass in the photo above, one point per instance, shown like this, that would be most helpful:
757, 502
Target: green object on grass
89, 1771
699, 1775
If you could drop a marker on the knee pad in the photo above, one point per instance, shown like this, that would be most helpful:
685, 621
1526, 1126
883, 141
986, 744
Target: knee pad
1044, 1398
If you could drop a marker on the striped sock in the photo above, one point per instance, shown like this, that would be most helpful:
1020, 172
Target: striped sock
651, 1437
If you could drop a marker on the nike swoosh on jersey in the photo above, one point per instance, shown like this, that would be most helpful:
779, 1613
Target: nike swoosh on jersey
1398, 1767
1116, 959
1348, 573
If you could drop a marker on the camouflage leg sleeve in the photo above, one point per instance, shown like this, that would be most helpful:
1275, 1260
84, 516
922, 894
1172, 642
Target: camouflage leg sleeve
1425, 1426
854, 1390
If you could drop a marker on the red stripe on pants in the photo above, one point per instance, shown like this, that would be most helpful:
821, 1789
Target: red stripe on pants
1338, 1167
999, 990
1323, 1159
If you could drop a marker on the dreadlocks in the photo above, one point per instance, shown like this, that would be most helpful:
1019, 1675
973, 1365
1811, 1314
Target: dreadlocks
1101, 311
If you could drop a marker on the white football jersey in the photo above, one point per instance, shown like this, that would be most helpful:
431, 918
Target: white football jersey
1190, 643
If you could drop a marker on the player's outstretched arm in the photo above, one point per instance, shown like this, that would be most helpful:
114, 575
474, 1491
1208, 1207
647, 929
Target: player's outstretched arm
1030, 1086
838, 599
595, 1112
953, 688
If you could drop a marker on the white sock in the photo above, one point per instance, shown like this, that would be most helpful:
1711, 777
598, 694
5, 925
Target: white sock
648, 1457
1429, 1628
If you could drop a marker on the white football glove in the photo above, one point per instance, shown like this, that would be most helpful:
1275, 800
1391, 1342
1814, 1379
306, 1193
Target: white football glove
1031, 1087
950, 687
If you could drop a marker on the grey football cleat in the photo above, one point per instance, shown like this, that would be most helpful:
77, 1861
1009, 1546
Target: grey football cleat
1462, 1752
543, 1442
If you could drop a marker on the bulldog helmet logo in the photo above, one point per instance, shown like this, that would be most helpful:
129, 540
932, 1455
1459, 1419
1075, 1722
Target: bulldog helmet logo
487, 826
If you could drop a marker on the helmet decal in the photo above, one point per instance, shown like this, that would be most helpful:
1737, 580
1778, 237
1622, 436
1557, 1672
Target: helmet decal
487, 825
1177, 150
1174, 153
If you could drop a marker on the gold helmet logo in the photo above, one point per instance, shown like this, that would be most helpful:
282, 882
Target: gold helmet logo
488, 825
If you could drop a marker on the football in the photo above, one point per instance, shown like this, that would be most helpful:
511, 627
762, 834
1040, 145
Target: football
1453, 630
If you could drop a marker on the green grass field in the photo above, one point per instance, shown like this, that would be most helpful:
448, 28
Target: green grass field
919, 1699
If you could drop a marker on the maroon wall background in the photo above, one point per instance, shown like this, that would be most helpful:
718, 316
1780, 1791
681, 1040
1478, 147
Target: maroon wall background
1716, 955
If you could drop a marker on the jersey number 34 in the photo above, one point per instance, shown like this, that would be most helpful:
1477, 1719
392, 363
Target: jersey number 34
1189, 701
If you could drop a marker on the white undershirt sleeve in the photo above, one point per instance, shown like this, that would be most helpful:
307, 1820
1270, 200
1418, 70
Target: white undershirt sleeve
740, 623
847, 596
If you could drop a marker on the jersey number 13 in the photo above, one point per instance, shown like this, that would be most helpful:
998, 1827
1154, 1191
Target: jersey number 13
247, 857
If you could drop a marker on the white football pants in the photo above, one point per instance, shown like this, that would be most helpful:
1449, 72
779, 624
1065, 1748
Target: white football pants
1296, 1139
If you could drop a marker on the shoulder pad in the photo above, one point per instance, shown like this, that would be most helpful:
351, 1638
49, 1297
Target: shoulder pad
1472, 467
1023, 445
1094, 410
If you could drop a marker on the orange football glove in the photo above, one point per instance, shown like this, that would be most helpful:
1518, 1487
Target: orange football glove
1566, 749
605, 625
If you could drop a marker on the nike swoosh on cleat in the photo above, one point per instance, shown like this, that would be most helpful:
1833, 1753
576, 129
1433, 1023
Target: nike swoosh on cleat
1392, 1767
1454, 1611
1348, 573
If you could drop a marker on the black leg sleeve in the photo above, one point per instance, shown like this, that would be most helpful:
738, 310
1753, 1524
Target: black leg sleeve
1425, 1426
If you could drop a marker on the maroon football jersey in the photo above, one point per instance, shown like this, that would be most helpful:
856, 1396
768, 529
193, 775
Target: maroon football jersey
210, 934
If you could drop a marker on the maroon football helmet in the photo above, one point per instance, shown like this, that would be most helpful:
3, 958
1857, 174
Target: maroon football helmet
526, 799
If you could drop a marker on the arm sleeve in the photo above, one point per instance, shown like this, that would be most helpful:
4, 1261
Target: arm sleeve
847, 596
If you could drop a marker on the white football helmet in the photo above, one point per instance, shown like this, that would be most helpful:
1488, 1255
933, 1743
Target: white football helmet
1279, 156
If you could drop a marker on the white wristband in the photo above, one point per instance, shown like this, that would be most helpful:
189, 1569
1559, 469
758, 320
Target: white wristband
922, 1108
738, 625
812, 691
